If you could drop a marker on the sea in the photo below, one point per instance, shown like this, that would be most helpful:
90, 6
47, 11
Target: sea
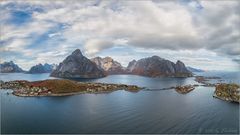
149, 111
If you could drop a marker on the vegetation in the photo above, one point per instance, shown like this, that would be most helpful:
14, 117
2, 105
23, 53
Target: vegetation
184, 89
228, 92
62, 87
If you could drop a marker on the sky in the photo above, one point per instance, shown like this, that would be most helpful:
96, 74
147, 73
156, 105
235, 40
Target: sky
203, 34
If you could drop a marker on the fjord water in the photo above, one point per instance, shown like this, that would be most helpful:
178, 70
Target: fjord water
157, 111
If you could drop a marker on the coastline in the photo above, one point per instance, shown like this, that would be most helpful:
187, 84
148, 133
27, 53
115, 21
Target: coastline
58, 87
65, 94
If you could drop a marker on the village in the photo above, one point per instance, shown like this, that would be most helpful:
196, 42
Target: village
61, 87
56, 87
21, 88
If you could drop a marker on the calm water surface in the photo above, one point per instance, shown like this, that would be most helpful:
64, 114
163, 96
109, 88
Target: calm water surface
160, 111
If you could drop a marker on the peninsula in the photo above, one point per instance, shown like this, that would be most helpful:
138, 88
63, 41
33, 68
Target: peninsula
57, 87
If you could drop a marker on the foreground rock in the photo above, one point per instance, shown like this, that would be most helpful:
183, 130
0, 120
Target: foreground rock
10, 67
77, 66
109, 65
184, 89
228, 92
62, 87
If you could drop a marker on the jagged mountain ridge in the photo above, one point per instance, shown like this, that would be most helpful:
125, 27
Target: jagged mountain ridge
40, 68
77, 66
156, 67
10, 67
109, 65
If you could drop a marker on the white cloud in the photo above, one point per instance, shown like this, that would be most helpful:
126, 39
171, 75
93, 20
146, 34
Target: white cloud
93, 46
163, 25
54, 34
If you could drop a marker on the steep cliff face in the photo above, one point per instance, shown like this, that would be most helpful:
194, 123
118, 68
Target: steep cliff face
46, 68
108, 65
131, 66
10, 67
77, 66
181, 69
156, 67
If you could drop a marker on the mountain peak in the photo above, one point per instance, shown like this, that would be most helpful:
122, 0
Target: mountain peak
156, 66
108, 65
41, 68
9, 67
180, 63
77, 66
77, 52
108, 58
157, 57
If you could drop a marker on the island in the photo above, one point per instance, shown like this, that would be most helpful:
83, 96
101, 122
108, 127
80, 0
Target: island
62, 87
205, 80
227, 92
185, 89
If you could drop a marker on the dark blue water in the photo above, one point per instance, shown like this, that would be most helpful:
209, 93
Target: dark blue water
163, 111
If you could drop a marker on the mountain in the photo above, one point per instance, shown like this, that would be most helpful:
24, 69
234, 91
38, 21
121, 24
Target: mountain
10, 67
131, 66
108, 65
77, 66
195, 69
157, 67
46, 68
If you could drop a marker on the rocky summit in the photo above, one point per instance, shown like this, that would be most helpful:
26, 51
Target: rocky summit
40, 68
108, 65
77, 66
158, 67
10, 67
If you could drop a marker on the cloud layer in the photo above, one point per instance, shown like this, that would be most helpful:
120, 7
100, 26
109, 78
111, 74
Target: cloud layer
37, 30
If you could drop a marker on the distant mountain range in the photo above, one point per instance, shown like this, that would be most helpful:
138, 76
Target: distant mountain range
10, 67
46, 68
78, 66
195, 69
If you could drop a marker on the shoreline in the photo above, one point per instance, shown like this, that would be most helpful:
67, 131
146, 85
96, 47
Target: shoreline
58, 87
65, 94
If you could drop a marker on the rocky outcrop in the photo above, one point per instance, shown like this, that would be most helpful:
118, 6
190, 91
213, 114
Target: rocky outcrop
77, 66
46, 68
108, 65
158, 67
228, 92
10, 67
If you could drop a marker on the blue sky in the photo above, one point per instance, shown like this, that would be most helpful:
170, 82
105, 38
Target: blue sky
202, 34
